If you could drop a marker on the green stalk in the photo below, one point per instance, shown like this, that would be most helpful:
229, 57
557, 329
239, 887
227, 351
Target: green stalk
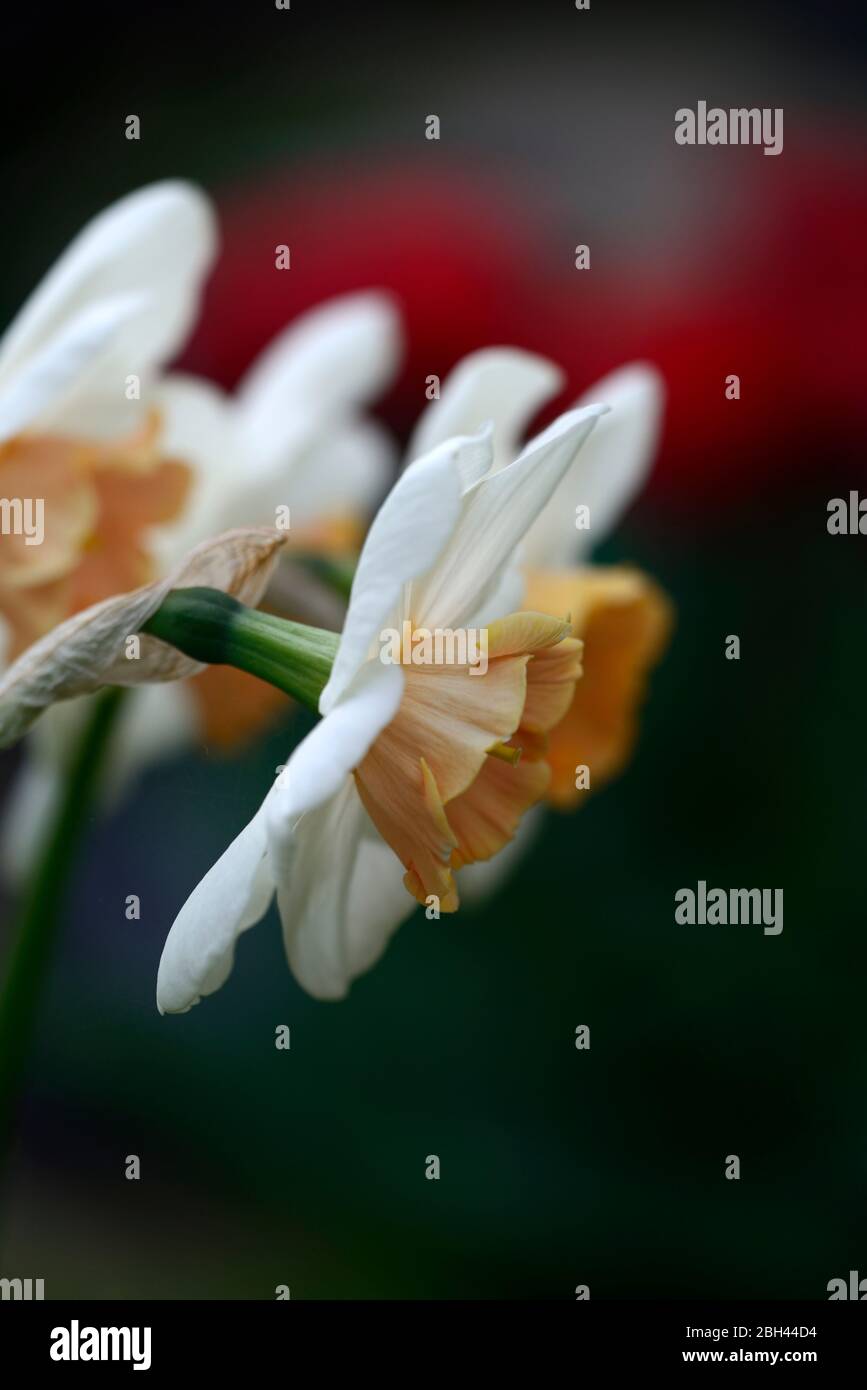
35, 930
215, 628
336, 574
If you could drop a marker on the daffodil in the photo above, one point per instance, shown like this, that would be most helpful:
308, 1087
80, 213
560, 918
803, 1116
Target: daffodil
78, 433
620, 614
136, 467
413, 772
292, 446
81, 435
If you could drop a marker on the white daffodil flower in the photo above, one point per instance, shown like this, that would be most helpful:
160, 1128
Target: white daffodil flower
119, 302
290, 446
621, 616
78, 370
293, 437
412, 772
80, 438
509, 386
186, 461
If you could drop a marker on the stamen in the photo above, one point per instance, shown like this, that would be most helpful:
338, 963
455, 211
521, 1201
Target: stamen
505, 752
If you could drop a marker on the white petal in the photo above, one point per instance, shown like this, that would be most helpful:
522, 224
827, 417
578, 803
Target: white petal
610, 470
333, 359
505, 385
313, 868
303, 838
502, 598
336, 471
233, 896
495, 515
340, 893
378, 900
345, 472
79, 350
195, 417
321, 762
157, 243
408, 533
199, 424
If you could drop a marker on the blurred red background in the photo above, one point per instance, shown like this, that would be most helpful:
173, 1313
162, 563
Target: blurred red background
780, 302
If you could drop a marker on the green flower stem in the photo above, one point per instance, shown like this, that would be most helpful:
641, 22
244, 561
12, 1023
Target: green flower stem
336, 573
214, 628
35, 931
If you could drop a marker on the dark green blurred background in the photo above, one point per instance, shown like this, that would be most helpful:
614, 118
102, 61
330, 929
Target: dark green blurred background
559, 1167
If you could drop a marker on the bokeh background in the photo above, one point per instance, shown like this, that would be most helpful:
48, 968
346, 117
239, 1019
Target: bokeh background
559, 1167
